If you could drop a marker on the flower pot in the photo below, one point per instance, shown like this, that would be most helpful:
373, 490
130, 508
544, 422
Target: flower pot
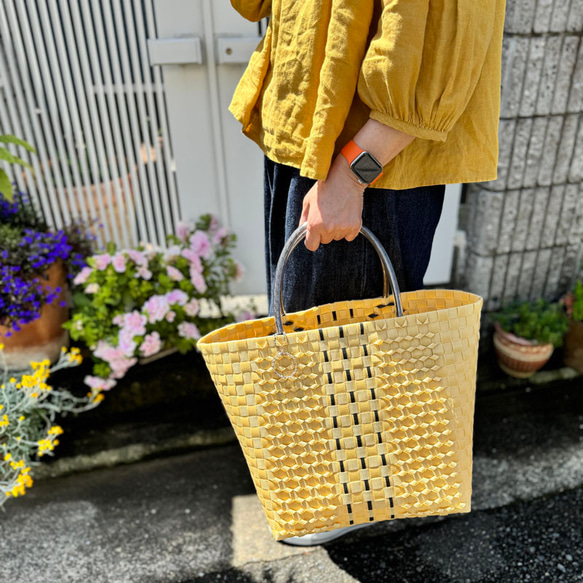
44, 337
573, 347
519, 357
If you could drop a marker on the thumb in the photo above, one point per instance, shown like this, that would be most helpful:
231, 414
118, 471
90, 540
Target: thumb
305, 213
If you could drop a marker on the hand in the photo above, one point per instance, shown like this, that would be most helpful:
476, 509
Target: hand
333, 207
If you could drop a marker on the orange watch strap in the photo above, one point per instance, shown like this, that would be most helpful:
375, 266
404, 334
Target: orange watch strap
351, 150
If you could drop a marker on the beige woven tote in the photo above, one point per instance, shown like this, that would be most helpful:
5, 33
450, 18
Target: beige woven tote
355, 411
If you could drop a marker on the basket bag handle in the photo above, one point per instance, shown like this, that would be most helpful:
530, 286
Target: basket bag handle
290, 245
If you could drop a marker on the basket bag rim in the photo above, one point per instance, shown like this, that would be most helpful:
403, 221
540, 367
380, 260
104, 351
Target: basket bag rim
470, 298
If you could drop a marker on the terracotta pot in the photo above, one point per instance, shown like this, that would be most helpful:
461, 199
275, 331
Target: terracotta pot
519, 357
573, 347
44, 337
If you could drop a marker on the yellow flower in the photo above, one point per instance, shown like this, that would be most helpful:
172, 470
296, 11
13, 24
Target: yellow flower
12, 380
1, 346
7, 457
4, 421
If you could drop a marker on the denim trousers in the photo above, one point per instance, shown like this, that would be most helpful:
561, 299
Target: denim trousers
404, 221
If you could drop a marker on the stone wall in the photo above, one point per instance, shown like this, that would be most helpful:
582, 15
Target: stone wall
525, 229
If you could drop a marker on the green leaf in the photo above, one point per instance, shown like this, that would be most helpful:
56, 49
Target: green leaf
11, 159
6, 186
8, 139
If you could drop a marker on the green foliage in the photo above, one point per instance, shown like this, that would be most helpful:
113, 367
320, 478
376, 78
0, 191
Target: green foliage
578, 302
538, 320
5, 155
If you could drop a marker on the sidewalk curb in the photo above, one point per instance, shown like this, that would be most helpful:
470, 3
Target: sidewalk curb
135, 453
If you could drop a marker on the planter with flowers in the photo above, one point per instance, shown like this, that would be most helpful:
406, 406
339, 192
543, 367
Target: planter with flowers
28, 410
572, 302
138, 303
35, 263
526, 334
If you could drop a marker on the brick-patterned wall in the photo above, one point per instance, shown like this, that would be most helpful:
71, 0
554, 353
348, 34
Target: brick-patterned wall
525, 229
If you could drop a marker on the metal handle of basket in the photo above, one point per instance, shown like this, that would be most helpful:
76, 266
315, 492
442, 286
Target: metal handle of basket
290, 245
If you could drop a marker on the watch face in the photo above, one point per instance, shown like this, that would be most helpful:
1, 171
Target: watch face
366, 167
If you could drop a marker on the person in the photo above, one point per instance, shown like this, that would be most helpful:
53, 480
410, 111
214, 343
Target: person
365, 110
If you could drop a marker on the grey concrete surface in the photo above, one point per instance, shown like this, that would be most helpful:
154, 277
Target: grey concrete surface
195, 517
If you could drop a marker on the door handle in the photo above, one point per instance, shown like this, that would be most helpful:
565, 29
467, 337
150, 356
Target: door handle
175, 51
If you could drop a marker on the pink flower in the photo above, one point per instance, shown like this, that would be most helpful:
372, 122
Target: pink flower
126, 342
138, 257
170, 316
119, 262
156, 308
83, 276
174, 274
107, 352
92, 288
188, 330
99, 383
177, 296
120, 366
151, 344
197, 280
220, 234
192, 307
194, 259
144, 273
102, 261
118, 320
183, 229
135, 322
200, 244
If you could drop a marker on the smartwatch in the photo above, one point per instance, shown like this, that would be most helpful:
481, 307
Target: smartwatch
363, 164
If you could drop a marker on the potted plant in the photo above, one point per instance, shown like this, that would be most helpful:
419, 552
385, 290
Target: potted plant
28, 408
35, 263
526, 333
572, 302
134, 304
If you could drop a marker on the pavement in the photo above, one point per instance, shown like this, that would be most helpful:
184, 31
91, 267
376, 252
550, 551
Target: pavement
178, 513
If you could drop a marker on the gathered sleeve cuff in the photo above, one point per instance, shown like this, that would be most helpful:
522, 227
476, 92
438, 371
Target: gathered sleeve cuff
424, 62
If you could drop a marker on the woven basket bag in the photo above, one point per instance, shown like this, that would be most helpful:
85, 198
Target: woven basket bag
354, 411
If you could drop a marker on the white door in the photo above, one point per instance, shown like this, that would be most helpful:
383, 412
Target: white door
204, 46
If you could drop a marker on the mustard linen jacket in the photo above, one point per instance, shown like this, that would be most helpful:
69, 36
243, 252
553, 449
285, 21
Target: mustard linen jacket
428, 68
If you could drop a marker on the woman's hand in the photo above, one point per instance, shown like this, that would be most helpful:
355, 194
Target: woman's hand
333, 207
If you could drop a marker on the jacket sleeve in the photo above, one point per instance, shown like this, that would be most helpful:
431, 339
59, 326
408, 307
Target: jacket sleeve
423, 64
253, 10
